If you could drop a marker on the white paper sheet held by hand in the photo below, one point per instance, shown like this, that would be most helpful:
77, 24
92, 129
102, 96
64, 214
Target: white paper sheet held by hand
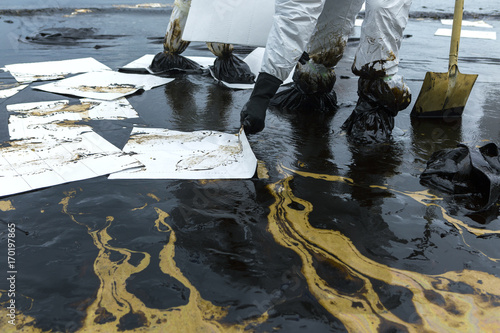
106, 85
170, 154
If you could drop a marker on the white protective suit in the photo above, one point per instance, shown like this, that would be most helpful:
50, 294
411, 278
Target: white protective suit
321, 28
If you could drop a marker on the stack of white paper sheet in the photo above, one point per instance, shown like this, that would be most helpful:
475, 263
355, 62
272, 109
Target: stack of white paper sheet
51, 70
33, 164
106, 85
57, 118
170, 154
254, 61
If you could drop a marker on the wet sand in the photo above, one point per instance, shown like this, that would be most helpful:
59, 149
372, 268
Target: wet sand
338, 238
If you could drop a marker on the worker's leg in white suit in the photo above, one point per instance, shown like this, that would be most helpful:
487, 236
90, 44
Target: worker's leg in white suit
381, 36
294, 24
382, 93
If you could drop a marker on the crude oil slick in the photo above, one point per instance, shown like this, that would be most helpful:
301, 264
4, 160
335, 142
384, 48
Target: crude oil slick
331, 236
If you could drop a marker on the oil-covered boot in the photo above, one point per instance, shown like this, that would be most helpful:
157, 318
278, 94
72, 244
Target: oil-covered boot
253, 114
380, 100
311, 91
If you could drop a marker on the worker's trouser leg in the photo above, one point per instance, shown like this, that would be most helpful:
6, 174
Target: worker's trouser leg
381, 36
382, 94
314, 79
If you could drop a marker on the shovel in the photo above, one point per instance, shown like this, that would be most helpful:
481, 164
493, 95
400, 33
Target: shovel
444, 95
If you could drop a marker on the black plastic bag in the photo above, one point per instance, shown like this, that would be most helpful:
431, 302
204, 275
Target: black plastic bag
292, 99
466, 172
165, 62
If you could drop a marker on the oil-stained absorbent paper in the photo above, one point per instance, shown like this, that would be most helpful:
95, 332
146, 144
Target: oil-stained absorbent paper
11, 91
51, 70
254, 61
168, 154
59, 119
107, 85
229, 21
468, 34
27, 165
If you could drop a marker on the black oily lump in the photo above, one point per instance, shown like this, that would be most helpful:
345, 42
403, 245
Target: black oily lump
466, 171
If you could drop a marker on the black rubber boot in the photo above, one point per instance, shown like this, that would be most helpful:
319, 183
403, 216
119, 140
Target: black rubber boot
253, 114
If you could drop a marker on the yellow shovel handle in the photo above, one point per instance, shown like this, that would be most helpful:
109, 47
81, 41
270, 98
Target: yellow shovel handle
455, 33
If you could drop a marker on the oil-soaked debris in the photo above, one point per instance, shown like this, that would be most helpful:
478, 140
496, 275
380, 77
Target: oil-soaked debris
471, 174
68, 36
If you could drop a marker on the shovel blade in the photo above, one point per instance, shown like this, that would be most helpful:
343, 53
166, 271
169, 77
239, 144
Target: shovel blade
443, 95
